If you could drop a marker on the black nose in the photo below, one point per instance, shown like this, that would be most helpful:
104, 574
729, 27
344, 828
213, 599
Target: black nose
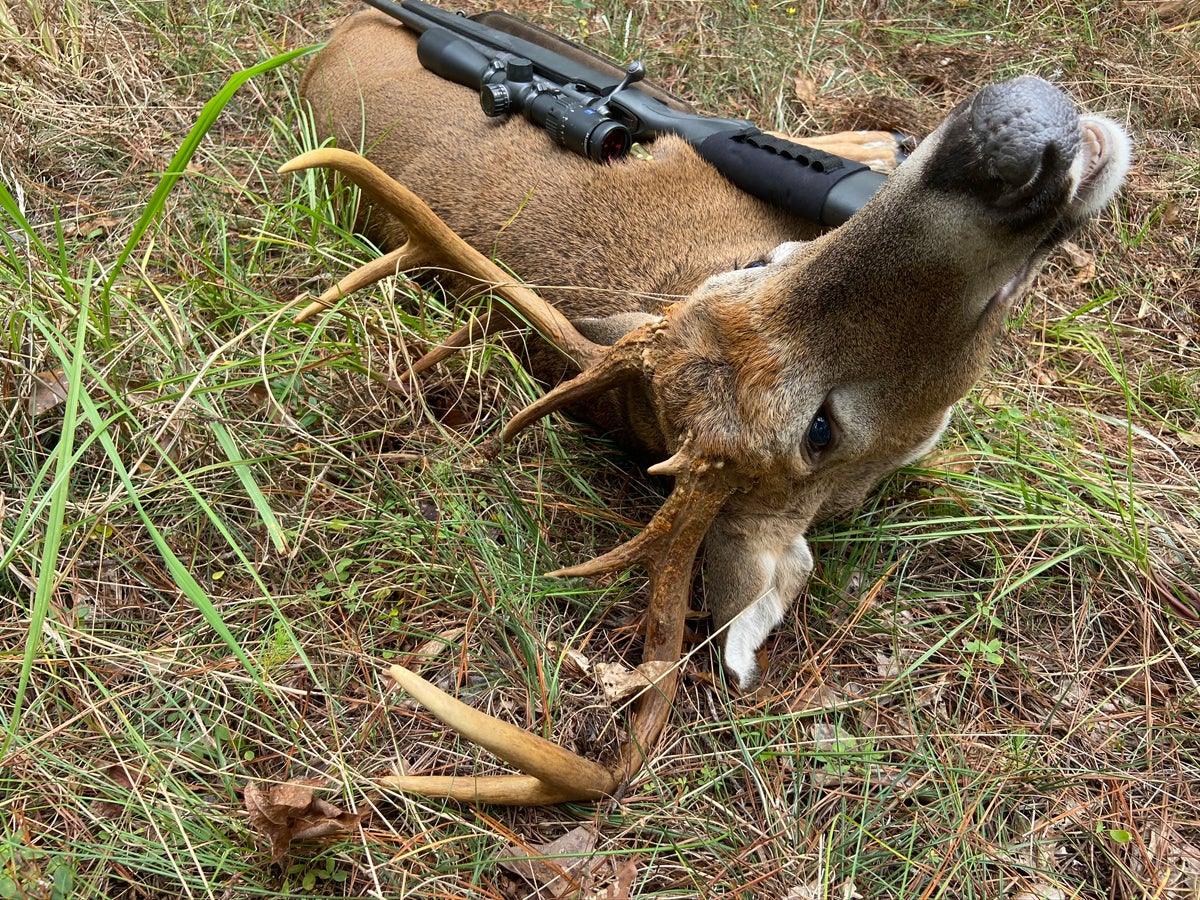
1027, 130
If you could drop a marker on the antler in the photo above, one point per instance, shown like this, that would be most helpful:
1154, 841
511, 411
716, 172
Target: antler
666, 547
432, 244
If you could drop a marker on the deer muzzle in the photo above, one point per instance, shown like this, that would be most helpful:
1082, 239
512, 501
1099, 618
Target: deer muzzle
1028, 132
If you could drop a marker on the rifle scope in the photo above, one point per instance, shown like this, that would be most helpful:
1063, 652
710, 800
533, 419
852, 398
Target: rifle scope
510, 85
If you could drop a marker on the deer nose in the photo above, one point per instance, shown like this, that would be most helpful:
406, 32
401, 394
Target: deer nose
1027, 130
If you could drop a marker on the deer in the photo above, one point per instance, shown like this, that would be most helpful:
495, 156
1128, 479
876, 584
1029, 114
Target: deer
777, 371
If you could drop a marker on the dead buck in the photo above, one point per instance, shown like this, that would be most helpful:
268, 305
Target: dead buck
778, 372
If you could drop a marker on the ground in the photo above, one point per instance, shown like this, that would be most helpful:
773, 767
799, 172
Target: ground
217, 528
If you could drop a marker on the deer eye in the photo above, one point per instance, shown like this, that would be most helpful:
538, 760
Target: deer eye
820, 434
757, 264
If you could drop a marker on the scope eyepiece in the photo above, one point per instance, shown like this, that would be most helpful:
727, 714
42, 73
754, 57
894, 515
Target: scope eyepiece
609, 142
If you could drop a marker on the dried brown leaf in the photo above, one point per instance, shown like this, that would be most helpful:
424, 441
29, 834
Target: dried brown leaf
49, 390
622, 878
1083, 261
576, 659
819, 890
806, 91
557, 868
1041, 891
292, 812
448, 637
119, 775
825, 696
1175, 861
957, 460
91, 229
620, 683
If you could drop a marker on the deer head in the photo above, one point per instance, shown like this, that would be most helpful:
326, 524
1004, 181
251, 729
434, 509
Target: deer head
781, 392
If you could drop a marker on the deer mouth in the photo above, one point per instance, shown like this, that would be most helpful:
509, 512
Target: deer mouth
1102, 161
1105, 155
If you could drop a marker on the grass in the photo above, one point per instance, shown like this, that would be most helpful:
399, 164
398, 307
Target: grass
216, 528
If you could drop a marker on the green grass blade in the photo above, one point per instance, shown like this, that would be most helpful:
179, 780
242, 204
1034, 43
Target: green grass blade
179, 162
47, 574
253, 491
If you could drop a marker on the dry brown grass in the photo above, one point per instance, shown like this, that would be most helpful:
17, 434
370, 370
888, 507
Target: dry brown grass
990, 691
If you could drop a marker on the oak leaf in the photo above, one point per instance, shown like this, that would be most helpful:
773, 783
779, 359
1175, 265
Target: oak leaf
292, 812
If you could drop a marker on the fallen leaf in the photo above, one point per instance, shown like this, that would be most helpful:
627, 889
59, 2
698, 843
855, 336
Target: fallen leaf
806, 91
292, 812
49, 390
90, 229
435, 645
1041, 891
609, 881
625, 877
557, 868
825, 696
1175, 862
1082, 261
956, 460
576, 659
820, 890
833, 752
619, 683
118, 775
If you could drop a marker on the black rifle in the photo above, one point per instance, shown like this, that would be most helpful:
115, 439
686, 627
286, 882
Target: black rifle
597, 115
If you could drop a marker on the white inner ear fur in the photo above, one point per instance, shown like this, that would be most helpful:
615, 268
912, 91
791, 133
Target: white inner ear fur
784, 573
1108, 150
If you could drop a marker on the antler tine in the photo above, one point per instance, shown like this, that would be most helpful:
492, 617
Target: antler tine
364, 275
468, 334
432, 244
493, 790
552, 770
701, 489
623, 361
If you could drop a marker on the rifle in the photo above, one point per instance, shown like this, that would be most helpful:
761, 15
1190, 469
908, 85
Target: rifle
595, 114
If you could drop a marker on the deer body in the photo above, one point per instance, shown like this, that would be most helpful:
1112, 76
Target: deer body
812, 375
594, 240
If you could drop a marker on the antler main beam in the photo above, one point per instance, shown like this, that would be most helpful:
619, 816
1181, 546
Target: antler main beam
666, 547
432, 244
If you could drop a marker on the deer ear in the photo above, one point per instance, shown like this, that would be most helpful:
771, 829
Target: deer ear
607, 330
754, 568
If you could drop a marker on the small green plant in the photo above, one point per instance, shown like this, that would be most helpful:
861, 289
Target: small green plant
308, 875
991, 650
